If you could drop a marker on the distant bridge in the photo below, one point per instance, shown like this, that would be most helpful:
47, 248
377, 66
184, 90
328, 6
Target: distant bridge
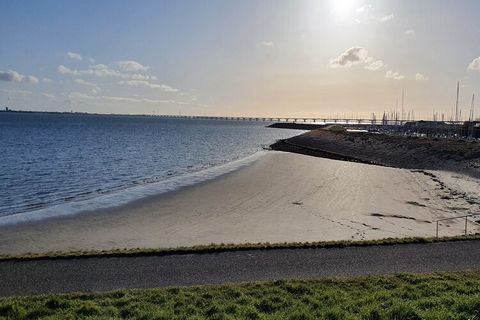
322, 120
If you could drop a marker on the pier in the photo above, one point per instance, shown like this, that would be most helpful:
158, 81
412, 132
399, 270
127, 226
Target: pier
438, 129
320, 120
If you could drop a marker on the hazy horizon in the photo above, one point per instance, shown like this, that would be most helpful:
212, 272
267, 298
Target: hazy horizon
252, 58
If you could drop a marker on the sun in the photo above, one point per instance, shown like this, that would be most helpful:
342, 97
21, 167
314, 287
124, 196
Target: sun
343, 9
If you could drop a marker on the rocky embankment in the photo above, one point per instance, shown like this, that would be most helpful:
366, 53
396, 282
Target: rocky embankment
394, 151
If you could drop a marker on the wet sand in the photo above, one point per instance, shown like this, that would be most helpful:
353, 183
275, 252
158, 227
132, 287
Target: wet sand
282, 197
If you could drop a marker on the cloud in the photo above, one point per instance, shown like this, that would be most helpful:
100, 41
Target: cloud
79, 95
74, 56
131, 66
375, 65
102, 70
99, 70
14, 76
352, 56
152, 101
47, 80
124, 99
64, 70
474, 65
143, 83
420, 77
366, 15
410, 32
365, 8
99, 66
394, 75
31, 79
129, 99
48, 95
268, 43
138, 76
11, 76
86, 83
386, 18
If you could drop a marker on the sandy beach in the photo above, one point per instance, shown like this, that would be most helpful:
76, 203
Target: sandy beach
282, 197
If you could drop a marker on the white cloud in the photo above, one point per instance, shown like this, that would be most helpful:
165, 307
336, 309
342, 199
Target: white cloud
129, 99
11, 76
366, 15
31, 79
474, 65
48, 95
74, 56
100, 66
124, 99
168, 88
365, 8
79, 95
14, 76
138, 76
420, 77
410, 32
64, 70
86, 83
136, 83
152, 101
351, 56
102, 70
99, 70
47, 80
268, 43
144, 83
394, 75
386, 18
375, 65
131, 66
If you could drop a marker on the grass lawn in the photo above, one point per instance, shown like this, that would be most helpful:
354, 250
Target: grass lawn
404, 296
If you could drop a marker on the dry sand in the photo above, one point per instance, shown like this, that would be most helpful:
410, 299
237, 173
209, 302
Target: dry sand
281, 197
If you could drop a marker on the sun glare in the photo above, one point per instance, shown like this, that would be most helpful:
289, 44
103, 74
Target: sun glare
343, 9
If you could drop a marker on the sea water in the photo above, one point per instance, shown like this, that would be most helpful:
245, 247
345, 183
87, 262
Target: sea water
59, 164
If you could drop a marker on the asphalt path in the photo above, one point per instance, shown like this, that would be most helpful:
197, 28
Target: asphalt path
109, 273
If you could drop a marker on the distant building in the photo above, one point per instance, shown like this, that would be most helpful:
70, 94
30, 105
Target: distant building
6, 109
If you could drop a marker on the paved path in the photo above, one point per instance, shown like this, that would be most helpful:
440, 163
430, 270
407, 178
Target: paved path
99, 274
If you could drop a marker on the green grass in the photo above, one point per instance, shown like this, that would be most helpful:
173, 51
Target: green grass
399, 297
211, 248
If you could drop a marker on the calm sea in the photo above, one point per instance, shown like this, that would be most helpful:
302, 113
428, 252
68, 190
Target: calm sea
56, 164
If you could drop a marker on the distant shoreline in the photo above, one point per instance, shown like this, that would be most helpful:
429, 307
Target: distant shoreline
77, 113
162, 116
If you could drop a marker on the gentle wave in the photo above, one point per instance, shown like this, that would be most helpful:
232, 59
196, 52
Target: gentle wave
131, 194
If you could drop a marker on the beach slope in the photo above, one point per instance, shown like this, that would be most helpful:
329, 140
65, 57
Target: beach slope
282, 197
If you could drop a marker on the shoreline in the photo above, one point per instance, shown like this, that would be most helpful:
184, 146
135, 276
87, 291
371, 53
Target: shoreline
282, 197
131, 196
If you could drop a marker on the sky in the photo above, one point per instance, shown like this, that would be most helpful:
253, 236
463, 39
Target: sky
275, 58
